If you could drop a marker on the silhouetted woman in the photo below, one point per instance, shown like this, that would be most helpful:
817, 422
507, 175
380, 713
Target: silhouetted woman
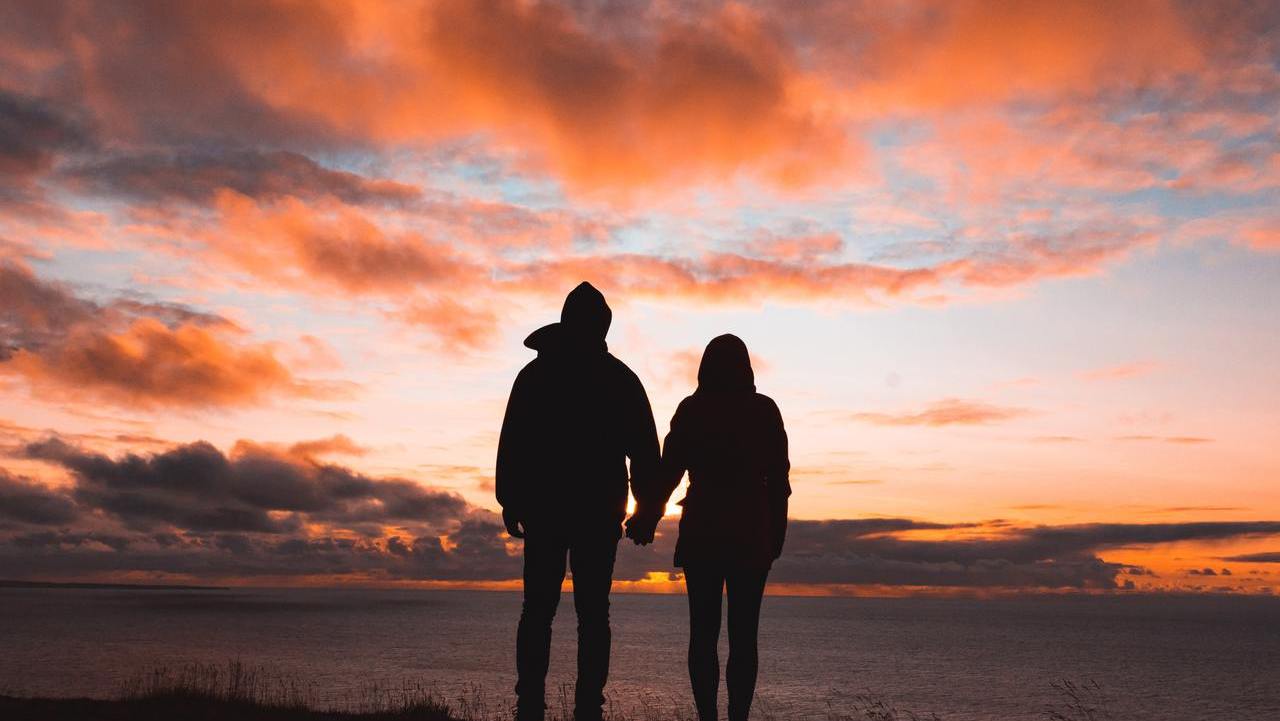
731, 441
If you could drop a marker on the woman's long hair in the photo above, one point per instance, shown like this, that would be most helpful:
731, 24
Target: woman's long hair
726, 367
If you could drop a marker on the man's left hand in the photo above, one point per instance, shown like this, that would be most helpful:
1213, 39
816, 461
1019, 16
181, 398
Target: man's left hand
513, 524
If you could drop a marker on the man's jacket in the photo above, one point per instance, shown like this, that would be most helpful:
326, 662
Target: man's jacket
575, 416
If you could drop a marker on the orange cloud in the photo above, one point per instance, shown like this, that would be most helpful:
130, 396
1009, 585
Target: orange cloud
328, 244
946, 412
698, 93
1008, 111
321, 246
645, 94
796, 248
692, 93
150, 364
1179, 440
1263, 235
1121, 371
132, 353
733, 277
969, 52
458, 326
335, 444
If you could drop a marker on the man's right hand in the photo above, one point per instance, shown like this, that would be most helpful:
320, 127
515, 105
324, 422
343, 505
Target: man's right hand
515, 527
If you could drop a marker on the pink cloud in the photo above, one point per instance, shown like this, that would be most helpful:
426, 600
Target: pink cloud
1122, 371
1263, 235
1177, 440
946, 412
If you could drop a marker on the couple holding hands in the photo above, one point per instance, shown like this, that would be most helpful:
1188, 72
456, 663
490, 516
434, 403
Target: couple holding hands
575, 417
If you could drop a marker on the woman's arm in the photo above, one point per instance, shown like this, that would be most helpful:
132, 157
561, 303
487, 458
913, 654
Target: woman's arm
675, 457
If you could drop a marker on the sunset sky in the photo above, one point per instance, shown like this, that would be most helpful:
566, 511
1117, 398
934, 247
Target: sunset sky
1011, 271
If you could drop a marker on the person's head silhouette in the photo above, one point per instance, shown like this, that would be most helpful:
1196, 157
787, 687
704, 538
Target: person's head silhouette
584, 322
726, 367
585, 313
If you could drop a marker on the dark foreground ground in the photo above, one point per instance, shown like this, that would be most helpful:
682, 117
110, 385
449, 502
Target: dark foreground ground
183, 707
196, 708
236, 692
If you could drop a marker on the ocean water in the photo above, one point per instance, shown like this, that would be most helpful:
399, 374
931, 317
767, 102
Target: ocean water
1155, 658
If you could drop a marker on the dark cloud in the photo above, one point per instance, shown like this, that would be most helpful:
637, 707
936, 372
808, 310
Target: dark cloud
198, 177
65, 540
874, 551
269, 511
245, 555
255, 511
26, 501
1114, 535
191, 89
1264, 557
196, 487
33, 134
34, 313
847, 552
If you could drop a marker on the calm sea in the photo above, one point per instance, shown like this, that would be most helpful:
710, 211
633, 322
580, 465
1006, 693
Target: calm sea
1155, 658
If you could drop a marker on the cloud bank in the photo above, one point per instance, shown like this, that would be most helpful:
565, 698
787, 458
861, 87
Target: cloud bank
193, 511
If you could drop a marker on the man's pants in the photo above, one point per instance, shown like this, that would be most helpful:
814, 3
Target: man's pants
591, 560
746, 590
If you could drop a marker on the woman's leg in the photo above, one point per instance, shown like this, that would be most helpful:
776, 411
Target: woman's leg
746, 590
704, 586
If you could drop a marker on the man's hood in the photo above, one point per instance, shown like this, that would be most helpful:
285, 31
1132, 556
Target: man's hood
584, 323
544, 338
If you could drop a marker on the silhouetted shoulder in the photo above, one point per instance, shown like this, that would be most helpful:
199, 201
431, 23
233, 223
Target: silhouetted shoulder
529, 373
623, 371
767, 405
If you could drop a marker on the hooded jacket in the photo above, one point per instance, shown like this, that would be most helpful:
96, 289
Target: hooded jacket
732, 442
576, 414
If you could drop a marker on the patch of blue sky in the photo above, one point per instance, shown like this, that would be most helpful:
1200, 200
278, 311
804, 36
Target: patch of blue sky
106, 275
1164, 307
1182, 205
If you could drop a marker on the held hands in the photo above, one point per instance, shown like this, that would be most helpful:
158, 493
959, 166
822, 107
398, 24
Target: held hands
642, 526
515, 527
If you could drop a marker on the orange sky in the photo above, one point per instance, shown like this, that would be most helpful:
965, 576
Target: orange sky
1009, 269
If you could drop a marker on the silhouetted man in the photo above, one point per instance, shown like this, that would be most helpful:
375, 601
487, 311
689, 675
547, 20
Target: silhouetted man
576, 414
